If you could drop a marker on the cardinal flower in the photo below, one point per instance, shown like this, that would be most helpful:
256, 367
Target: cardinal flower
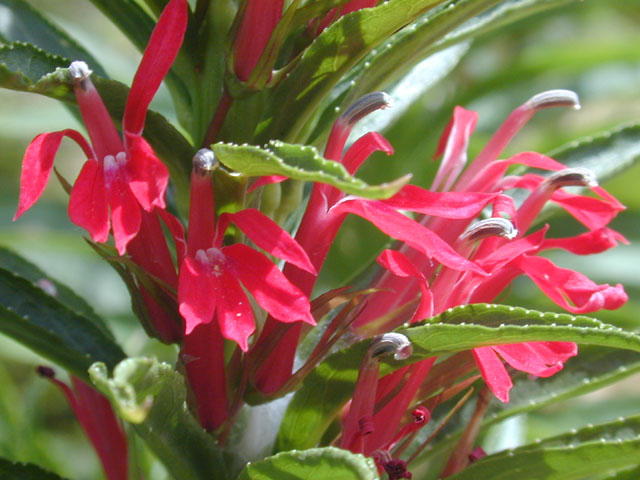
122, 174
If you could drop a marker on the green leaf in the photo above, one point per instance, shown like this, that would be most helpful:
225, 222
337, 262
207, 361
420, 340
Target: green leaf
22, 23
460, 328
24, 471
152, 395
301, 163
41, 322
317, 463
591, 450
130, 18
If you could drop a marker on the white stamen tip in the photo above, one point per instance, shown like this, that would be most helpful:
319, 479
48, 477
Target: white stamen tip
79, 70
554, 98
364, 106
491, 227
392, 343
204, 162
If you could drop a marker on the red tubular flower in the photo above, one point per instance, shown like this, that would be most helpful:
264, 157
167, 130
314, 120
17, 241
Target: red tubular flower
258, 21
97, 419
119, 177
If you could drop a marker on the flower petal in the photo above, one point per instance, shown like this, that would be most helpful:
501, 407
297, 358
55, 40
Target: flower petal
38, 162
362, 148
88, 207
197, 294
494, 372
234, 312
269, 236
268, 285
535, 357
176, 229
125, 209
148, 176
587, 243
158, 57
266, 180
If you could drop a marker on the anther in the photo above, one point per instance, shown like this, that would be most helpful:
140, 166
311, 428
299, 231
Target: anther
79, 71
572, 177
491, 227
204, 162
392, 343
47, 372
554, 98
364, 106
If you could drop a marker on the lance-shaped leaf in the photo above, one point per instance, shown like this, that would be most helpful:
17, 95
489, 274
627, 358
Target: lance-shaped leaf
31, 314
27, 471
460, 328
152, 395
301, 163
589, 451
317, 463
23, 23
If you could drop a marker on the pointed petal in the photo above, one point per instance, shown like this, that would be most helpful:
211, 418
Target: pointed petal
197, 294
362, 148
456, 205
125, 209
399, 264
560, 284
400, 227
38, 162
269, 236
148, 176
88, 207
176, 229
266, 180
587, 243
268, 285
494, 373
158, 57
531, 357
234, 312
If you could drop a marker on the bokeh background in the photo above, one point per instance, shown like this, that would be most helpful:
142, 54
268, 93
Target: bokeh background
592, 47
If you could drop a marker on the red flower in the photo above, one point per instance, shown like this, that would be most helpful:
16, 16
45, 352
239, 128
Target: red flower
119, 176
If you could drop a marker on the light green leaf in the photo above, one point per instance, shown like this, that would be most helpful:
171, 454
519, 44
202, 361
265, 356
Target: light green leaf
316, 463
24, 471
52, 329
588, 452
152, 395
301, 163
461, 328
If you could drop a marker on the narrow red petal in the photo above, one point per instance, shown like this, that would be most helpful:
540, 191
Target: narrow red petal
269, 236
494, 373
158, 57
588, 243
38, 162
456, 205
268, 285
531, 358
125, 209
176, 229
362, 148
266, 180
196, 294
234, 312
88, 207
148, 176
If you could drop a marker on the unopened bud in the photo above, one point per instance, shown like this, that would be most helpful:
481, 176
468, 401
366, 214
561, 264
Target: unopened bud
491, 227
554, 98
572, 177
204, 162
365, 105
392, 343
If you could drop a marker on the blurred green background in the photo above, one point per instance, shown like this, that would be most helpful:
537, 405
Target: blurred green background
592, 47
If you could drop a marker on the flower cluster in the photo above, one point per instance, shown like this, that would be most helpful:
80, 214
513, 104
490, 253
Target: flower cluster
235, 291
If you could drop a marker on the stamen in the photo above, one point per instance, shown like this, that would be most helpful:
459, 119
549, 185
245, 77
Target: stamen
79, 71
554, 98
47, 372
365, 105
491, 227
572, 177
204, 162
392, 343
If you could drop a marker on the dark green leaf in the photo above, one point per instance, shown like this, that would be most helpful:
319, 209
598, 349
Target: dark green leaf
317, 463
580, 455
52, 329
24, 471
152, 395
301, 163
460, 328
22, 23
